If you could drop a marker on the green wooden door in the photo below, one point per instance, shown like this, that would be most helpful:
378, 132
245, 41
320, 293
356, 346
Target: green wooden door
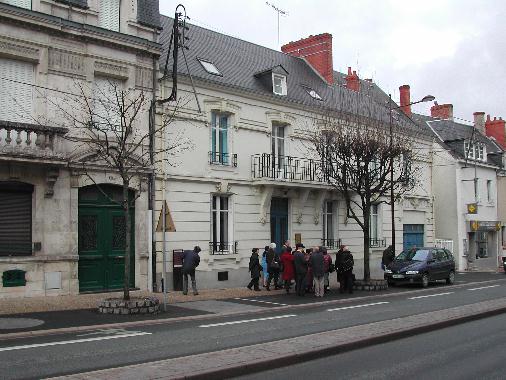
101, 235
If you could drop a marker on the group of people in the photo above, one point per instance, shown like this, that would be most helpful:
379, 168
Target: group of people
308, 268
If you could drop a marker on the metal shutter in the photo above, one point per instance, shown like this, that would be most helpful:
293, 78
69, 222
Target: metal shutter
108, 14
20, 3
15, 218
16, 97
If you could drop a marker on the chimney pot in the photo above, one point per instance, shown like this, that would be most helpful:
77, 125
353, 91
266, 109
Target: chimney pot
352, 81
404, 99
442, 111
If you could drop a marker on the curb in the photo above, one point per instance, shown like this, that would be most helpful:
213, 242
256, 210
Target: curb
152, 322
264, 356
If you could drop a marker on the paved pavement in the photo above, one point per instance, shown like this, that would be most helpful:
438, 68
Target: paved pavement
259, 357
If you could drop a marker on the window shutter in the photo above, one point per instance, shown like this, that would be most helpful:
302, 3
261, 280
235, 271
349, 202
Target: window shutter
16, 97
20, 3
15, 219
108, 14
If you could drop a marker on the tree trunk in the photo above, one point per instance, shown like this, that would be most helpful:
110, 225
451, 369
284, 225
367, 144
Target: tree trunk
126, 210
367, 270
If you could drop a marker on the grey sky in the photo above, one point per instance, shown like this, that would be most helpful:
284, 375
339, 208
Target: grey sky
452, 49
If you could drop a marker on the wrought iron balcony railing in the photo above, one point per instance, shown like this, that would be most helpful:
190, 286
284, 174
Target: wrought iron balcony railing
285, 168
377, 243
223, 248
331, 243
226, 159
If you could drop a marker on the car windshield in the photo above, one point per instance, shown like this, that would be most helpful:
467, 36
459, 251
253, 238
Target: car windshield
413, 255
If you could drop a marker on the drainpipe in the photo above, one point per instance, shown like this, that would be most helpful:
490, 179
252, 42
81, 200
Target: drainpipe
152, 176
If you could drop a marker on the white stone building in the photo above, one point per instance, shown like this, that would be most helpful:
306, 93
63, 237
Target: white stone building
58, 233
250, 179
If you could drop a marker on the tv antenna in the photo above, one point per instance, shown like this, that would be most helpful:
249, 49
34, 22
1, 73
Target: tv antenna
280, 13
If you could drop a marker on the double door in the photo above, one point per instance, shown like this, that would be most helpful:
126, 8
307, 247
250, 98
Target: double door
279, 222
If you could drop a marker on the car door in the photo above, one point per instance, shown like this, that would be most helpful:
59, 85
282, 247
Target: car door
441, 264
433, 266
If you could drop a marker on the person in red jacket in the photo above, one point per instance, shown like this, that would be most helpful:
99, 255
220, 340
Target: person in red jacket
288, 268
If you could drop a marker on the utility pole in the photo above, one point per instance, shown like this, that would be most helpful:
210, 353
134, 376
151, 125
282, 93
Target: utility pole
279, 11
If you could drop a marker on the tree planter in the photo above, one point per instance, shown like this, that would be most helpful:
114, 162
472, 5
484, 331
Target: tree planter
146, 305
371, 285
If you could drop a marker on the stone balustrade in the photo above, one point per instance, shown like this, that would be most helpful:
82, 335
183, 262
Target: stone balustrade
31, 141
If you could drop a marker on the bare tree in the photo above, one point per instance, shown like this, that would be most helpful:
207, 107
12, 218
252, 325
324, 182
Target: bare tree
117, 127
358, 152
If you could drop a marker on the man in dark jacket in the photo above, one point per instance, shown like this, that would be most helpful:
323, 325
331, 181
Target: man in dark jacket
254, 268
388, 257
344, 269
316, 262
191, 260
273, 267
300, 265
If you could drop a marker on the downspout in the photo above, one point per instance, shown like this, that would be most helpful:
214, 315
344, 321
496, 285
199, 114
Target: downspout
153, 175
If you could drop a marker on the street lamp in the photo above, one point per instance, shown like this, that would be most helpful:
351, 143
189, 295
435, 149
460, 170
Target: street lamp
426, 98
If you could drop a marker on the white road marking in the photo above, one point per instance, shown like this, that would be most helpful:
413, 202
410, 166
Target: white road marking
248, 320
272, 303
485, 287
71, 341
430, 295
354, 307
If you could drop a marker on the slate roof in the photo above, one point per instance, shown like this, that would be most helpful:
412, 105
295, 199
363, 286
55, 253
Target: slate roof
239, 61
148, 13
452, 135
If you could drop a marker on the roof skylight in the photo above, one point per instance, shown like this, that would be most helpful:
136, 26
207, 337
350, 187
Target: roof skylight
210, 67
312, 93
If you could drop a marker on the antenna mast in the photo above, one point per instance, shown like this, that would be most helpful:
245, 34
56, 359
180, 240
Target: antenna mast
279, 12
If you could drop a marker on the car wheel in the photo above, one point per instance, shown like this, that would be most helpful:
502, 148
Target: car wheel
425, 280
451, 278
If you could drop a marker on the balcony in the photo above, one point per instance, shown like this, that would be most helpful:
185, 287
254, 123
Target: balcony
285, 168
223, 248
331, 243
22, 142
377, 243
225, 159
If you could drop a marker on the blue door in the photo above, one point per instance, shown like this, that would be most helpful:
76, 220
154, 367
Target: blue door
279, 222
412, 236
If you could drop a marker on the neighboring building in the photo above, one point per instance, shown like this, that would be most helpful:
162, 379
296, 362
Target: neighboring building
466, 164
250, 178
58, 233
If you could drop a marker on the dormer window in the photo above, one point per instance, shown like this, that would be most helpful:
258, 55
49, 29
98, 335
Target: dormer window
210, 67
474, 151
279, 84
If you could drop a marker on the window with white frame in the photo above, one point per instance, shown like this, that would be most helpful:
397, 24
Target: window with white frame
329, 215
220, 219
219, 138
476, 190
278, 148
279, 84
106, 104
16, 94
374, 225
474, 151
19, 3
209, 67
489, 191
108, 14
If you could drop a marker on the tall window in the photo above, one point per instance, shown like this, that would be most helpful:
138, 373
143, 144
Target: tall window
474, 151
15, 218
220, 223
373, 224
106, 105
328, 224
476, 190
219, 138
489, 191
16, 94
279, 84
19, 3
108, 14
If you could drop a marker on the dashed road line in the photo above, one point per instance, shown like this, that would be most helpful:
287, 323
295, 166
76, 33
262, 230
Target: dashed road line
248, 320
356, 306
430, 295
268, 302
73, 341
485, 287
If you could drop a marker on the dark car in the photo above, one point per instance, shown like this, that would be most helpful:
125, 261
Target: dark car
421, 266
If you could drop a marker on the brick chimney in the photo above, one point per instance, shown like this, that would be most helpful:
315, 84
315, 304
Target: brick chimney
317, 51
442, 111
405, 99
479, 121
352, 81
496, 129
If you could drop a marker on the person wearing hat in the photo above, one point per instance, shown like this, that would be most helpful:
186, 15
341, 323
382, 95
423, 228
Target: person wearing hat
300, 265
191, 260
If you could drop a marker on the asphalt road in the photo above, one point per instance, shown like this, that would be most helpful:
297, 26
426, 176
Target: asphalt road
474, 350
85, 351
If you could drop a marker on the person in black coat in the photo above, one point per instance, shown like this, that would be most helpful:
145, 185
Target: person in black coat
344, 269
191, 260
300, 264
388, 257
273, 267
255, 269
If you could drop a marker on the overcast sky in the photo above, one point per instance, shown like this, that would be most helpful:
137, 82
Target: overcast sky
452, 49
